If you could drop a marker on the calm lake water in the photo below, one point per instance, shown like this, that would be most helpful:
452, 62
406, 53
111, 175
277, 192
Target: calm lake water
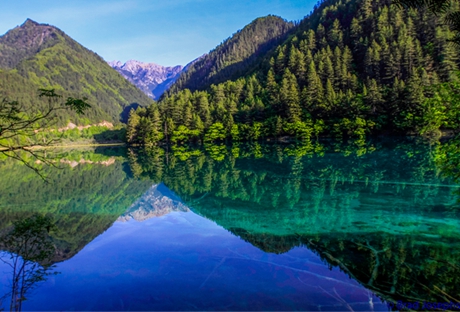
249, 227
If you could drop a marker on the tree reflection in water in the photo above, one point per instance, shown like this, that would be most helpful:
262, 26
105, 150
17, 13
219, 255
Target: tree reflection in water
27, 250
384, 212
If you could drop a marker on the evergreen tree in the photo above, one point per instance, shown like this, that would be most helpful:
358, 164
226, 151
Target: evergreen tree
289, 96
132, 127
314, 89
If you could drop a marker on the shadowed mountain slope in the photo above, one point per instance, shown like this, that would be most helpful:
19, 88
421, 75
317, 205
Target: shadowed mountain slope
236, 56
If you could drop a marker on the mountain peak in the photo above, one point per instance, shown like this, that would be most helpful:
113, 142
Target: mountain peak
115, 64
23, 42
28, 23
135, 62
156, 202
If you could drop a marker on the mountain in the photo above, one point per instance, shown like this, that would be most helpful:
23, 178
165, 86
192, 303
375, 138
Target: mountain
34, 56
350, 69
236, 55
151, 78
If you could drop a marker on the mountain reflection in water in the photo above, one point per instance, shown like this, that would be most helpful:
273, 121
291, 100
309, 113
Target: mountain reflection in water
384, 215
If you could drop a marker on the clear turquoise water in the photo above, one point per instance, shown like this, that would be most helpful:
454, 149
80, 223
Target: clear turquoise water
253, 227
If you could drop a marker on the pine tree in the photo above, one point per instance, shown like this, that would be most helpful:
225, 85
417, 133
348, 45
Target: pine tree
328, 70
338, 72
355, 31
335, 35
197, 123
272, 91
321, 37
155, 133
132, 127
311, 40
280, 63
203, 108
314, 88
329, 96
373, 97
188, 115
289, 96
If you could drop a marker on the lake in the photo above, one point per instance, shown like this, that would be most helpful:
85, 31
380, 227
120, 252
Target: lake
319, 227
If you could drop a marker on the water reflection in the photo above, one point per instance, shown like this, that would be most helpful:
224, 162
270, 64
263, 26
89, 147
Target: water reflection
85, 197
28, 252
386, 214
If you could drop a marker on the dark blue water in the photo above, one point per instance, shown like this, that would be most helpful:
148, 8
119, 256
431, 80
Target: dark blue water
184, 262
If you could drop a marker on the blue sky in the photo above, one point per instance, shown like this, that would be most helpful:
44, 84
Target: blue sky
166, 32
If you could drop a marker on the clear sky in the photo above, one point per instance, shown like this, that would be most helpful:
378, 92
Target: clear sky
166, 32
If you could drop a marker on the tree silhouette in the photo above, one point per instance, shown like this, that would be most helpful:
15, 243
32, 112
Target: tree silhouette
28, 251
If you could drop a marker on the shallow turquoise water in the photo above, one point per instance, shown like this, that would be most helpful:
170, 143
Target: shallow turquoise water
250, 227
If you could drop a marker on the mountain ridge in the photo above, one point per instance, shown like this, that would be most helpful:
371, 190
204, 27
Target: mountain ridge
236, 55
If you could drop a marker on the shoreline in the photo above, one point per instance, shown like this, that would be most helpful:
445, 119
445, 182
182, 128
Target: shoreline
441, 135
40, 147
77, 145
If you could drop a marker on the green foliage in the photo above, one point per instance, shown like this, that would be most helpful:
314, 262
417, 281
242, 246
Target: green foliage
144, 126
235, 133
216, 132
447, 158
28, 251
442, 110
438, 7
300, 130
183, 134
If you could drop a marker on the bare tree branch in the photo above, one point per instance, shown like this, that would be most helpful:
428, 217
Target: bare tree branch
18, 122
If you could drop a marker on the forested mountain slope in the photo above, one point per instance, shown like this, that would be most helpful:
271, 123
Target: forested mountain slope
349, 69
36, 56
236, 55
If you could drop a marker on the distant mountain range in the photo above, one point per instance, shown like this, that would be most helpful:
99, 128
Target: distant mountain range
151, 78
34, 56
